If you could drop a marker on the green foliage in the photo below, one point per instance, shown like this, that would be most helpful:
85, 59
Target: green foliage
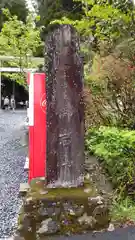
123, 211
103, 21
116, 148
17, 37
111, 81
16, 7
108, 23
20, 40
50, 10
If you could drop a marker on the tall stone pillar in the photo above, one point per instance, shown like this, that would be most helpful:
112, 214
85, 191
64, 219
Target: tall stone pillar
65, 108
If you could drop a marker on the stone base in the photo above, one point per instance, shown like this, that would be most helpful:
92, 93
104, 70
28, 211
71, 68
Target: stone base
61, 211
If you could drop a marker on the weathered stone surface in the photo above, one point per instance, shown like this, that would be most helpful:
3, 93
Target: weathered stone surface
96, 174
50, 211
48, 226
96, 200
65, 108
100, 214
89, 221
73, 209
26, 224
63, 211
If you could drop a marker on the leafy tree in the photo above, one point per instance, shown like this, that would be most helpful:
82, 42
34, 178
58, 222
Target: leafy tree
104, 24
16, 7
50, 10
123, 5
102, 20
20, 40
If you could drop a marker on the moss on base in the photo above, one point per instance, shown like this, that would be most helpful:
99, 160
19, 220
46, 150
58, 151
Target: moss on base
61, 211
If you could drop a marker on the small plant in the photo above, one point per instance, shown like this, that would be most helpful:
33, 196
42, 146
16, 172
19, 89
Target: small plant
123, 211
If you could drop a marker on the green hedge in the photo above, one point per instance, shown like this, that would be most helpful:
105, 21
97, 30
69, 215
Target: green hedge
116, 148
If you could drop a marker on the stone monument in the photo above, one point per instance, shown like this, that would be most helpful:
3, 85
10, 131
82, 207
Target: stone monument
69, 203
65, 108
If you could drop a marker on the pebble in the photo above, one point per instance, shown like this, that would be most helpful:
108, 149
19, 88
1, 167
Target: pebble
111, 227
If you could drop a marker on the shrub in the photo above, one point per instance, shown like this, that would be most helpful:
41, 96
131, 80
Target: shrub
116, 149
112, 89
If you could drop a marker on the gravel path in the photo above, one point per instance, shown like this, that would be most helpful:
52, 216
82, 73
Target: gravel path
12, 158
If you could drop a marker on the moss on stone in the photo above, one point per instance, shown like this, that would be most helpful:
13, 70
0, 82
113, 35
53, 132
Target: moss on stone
67, 210
62, 193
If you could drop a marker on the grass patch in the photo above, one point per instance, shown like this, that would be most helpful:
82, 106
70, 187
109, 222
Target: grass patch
123, 211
